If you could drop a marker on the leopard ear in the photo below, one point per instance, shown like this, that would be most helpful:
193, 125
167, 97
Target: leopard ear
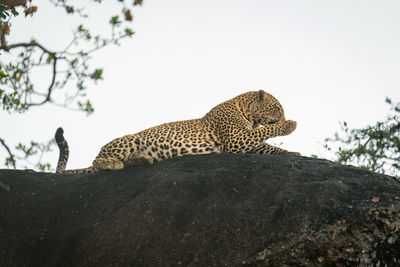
260, 95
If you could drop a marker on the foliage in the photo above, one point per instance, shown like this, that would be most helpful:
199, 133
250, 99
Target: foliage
67, 66
69, 70
376, 147
5, 13
25, 153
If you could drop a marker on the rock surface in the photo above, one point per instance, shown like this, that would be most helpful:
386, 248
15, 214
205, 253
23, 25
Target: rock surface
209, 210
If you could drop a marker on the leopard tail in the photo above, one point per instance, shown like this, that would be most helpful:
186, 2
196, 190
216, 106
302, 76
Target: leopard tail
64, 153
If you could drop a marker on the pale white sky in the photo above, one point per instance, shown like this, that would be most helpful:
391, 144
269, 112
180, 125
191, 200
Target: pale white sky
325, 61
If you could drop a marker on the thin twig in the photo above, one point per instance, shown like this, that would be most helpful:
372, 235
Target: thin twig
50, 89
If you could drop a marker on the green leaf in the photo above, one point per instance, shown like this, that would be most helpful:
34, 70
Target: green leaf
129, 32
115, 20
33, 143
2, 8
97, 74
50, 58
14, 12
2, 74
89, 108
74, 62
3, 16
86, 107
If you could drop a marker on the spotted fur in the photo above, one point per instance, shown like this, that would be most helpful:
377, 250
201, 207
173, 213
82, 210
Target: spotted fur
239, 125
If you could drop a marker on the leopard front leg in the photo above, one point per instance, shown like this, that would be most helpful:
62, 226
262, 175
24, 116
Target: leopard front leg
265, 148
117, 154
139, 159
245, 140
108, 164
280, 128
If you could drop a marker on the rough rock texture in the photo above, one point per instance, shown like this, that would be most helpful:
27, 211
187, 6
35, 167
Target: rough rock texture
210, 210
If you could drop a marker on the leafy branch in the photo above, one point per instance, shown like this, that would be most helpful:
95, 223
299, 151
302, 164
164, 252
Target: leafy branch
376, 147
24, 64
30, 154
66, 65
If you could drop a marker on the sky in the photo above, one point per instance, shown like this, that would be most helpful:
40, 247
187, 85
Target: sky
325, 61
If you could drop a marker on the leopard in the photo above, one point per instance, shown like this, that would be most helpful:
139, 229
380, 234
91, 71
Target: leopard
240, 125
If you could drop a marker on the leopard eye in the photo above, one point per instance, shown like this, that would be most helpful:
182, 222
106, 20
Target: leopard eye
272, 122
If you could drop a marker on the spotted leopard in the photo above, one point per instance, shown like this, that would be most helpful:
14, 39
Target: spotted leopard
239, 125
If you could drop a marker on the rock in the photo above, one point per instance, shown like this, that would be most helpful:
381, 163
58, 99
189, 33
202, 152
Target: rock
208, 210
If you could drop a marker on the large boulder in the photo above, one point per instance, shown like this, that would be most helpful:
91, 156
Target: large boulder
209, 210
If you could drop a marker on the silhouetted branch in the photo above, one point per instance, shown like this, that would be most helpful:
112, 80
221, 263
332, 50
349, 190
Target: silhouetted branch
12, 159
12, 46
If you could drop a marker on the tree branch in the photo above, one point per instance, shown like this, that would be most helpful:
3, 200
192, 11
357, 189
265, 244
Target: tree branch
45, 50
50, 89
17, 45
9, 152
13, 2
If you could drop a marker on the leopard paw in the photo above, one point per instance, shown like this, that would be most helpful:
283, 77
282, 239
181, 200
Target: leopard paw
108, 164
288, 127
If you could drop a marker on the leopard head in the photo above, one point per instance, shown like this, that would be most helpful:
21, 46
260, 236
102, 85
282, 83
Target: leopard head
265, 109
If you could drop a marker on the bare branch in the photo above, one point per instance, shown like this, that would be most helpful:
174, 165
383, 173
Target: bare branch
50, 89
17, 45
13, 2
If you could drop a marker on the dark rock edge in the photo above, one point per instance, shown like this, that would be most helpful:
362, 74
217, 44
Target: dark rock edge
208, 210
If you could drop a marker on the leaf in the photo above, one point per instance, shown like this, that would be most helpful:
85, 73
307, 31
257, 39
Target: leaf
2, 8
97, 74
129, 32
128, 15
89, 108
30, 10
6, 28
397, 108
115, 20
86, 107
14, 12
49, 58
69, 9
